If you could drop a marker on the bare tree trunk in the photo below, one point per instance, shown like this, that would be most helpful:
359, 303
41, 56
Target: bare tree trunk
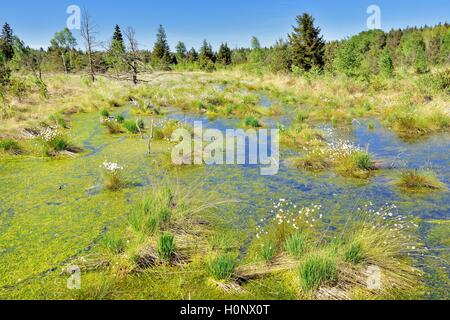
88, 34
64, 61
132, 57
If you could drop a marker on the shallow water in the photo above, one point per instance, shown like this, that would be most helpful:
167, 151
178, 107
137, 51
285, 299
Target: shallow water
51, 210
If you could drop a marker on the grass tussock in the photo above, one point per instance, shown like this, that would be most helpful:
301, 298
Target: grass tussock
419, 180
222, 267
10, 146
334, 264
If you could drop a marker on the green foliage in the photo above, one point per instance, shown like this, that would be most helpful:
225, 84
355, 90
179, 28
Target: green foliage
59, 120
222, 267
363, 160
280, 61
131, 126
120, 118
307, 46
295, 245
7, 42
224, 54
268, 250
166, 246
10, 146
113, 243
386, 64
161, 55
252, 122
354, 253
316, 271
104, 113
181, 51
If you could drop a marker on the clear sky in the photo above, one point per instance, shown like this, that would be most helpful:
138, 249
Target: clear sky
234, 21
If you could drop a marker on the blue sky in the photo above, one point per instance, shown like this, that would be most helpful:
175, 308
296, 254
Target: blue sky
233, 21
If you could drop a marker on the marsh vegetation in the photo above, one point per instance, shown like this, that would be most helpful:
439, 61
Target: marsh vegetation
93, 186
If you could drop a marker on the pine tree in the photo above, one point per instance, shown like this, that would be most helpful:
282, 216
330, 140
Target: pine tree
7, 42
161, 50
224, 54
307, 45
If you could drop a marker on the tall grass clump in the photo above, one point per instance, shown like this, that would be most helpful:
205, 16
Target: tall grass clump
10, 146
153, 213
354, 253
131, 126
252, 122
295, 245
104, 113
419, 180
113, 244
166, 246
113, 126
317, 270
222, 267
268, 250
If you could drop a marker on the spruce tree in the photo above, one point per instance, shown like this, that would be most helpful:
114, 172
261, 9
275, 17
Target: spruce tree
161, 50
207, 57
117, 42
206, 52
7, 42
224, 54
116, 53
192, 55
307, 45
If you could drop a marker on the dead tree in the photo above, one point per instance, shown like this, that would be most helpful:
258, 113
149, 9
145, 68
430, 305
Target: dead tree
88, 34
132, 57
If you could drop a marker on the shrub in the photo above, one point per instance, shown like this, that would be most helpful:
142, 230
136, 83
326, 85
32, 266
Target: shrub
316, 271
295, 245
354, 253
113, 243
166, 246
222, 267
